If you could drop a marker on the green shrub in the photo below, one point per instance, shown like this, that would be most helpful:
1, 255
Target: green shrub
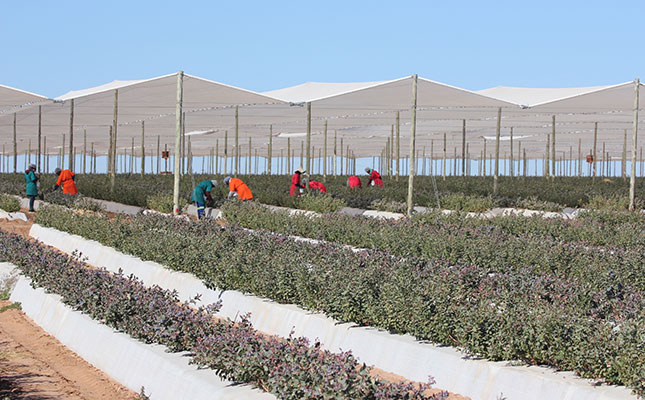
161, 202
522, 311
9, 203
322, 203
469, 203
611, 203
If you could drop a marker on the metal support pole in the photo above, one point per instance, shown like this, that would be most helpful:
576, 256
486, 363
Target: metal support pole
512, 169
553, 147
398, 146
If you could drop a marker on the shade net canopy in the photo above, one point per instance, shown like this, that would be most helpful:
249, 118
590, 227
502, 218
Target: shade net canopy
361, 114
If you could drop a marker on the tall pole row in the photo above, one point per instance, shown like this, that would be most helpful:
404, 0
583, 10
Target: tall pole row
71, 136
308, 139
39, 135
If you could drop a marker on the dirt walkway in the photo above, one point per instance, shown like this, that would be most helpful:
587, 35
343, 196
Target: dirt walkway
34, 365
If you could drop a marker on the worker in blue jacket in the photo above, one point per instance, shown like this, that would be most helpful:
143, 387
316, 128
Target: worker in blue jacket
31, 181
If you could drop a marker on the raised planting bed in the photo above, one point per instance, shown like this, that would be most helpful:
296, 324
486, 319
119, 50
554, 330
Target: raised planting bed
234, 350
400, 354
518, 313
601, 249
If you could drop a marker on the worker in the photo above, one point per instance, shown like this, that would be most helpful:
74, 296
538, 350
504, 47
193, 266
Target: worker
315, 185
296, 182
374, 178
201, 193
238, 189
31, 181
66, 180
354, 182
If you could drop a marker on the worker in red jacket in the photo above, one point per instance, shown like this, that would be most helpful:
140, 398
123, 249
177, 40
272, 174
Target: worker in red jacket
315, 185
374, 178
296, 182
354, 182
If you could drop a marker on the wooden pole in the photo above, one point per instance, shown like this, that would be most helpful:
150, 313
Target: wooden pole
595, 140
632, 177
302, 153
45, 155
463, 148
497, 133
443, 165
431, 156
512, 169
341, 157
113, 138
71, 136
178, 123
270, 148
553, 147
519, 157
225, 153
413, 132
132, 157
92, 159
484, 159
158, 153
391, 155
398, 146
61, 162
143, 148
579, 157
39, 136
248, 163
237, 148
290, 157
623, 161
525, 166
15, 146
84, 150
308, 139
336, 153
546, 158
325, 155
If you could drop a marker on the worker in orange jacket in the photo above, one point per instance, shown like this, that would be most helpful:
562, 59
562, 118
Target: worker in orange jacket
237, 188
374, 178
66, 180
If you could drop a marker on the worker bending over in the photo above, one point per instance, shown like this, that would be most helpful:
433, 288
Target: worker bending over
201, 193
354, 182
66, 180
315, 185
374, 178
296, 182
237, 188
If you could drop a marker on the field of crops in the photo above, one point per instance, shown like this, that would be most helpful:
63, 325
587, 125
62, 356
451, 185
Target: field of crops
457, 193
564, 293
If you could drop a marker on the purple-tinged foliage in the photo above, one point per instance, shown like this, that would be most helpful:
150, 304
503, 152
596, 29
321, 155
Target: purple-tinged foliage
289, 368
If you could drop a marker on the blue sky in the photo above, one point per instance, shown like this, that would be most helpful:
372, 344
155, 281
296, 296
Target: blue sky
50, 47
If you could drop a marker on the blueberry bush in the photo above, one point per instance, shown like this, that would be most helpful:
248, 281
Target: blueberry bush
290, 369
592, 323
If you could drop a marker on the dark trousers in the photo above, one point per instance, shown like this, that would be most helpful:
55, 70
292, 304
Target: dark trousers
31, 203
